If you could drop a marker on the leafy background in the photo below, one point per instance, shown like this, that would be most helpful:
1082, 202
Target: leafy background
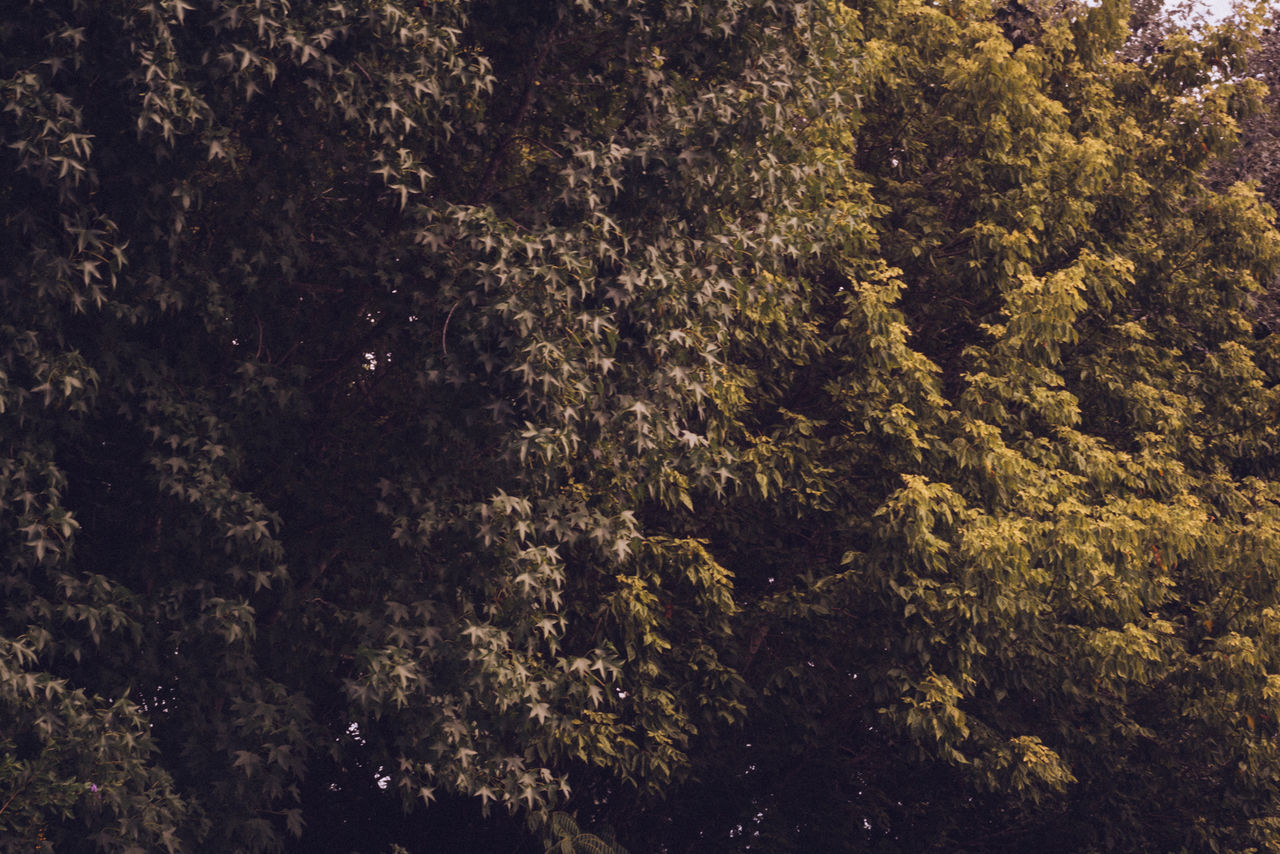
707, 426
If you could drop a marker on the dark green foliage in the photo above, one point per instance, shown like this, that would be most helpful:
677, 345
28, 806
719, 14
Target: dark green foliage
354, 358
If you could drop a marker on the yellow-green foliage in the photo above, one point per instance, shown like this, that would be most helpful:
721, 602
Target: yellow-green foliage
1023, 589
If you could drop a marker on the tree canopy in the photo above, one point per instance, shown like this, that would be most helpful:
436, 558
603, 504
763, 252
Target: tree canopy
743, 425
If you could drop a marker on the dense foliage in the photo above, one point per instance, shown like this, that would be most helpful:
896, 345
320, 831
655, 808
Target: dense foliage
1257, 158
1021, 593
748, 425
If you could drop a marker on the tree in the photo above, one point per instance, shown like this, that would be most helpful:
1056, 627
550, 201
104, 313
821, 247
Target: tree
1014, 583
343, 346
1257, 158
749, 425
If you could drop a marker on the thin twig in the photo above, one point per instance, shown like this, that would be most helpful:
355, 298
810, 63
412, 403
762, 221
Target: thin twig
444, 345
